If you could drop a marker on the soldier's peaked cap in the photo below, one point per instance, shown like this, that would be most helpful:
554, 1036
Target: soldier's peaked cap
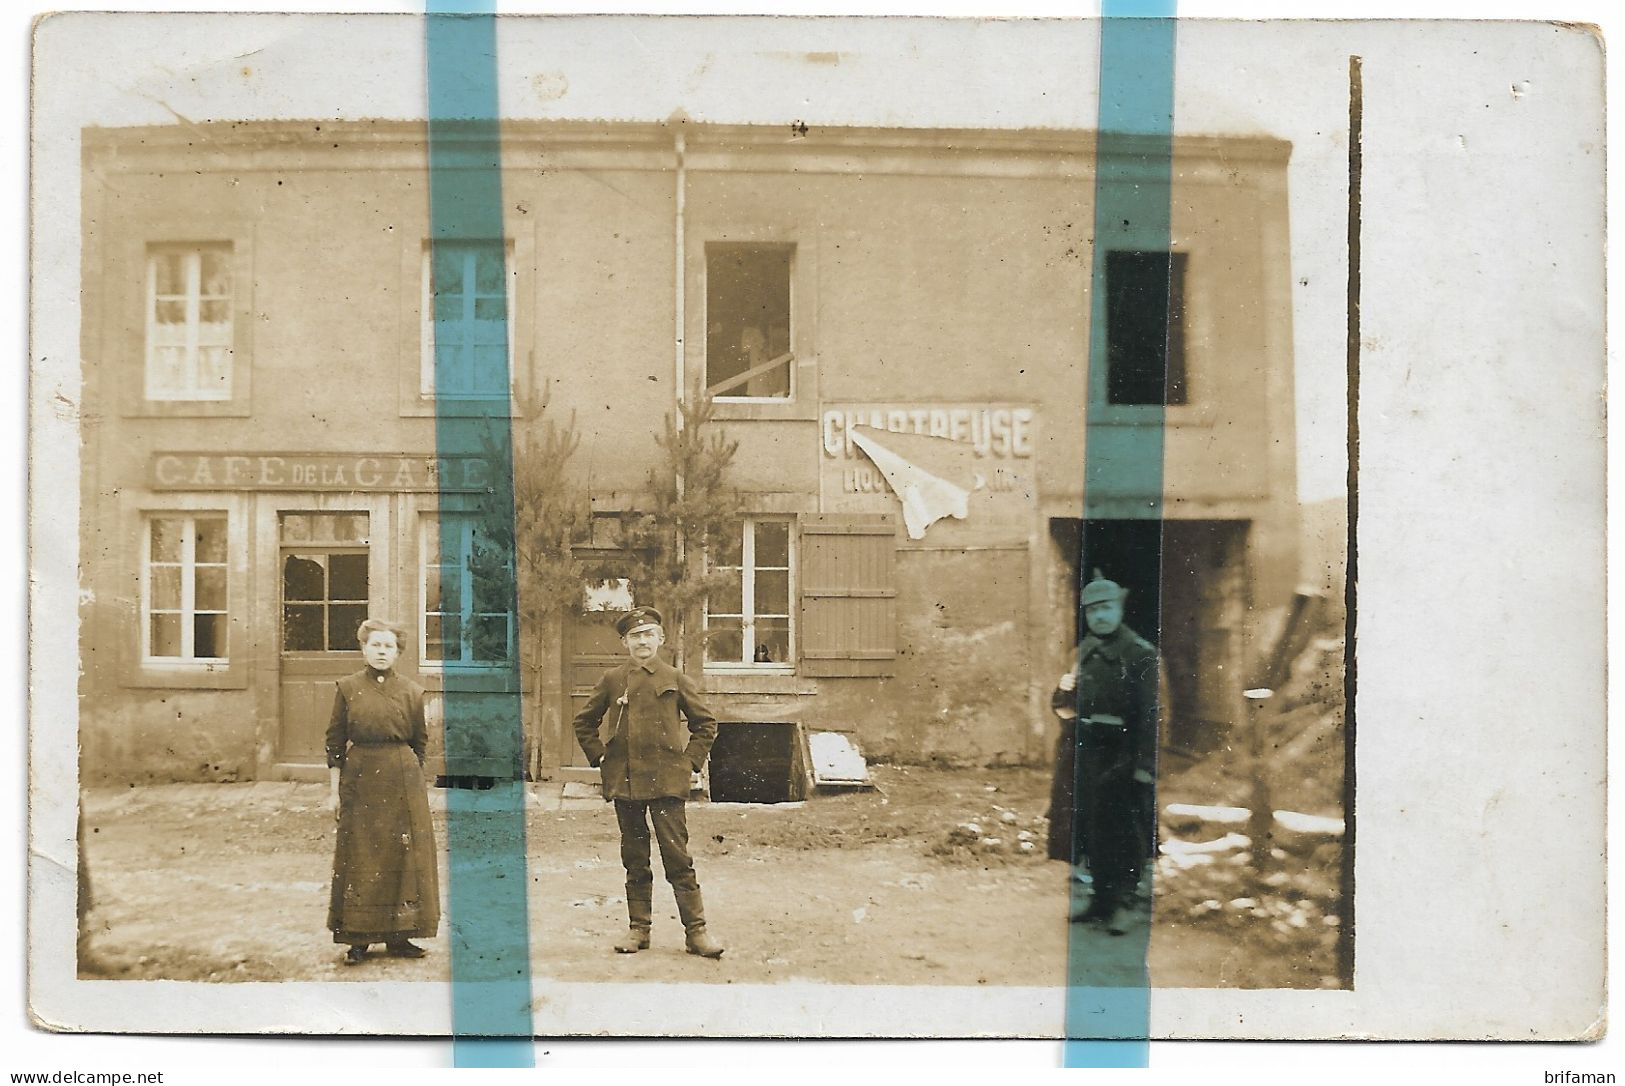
637, 618
1100, 590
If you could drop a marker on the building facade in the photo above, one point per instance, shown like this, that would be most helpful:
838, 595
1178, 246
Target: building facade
894, 326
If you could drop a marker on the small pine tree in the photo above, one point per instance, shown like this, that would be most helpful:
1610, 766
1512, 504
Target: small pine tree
551, 517
693, 511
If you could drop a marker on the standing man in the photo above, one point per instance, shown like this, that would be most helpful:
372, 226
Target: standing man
1102, 802
629, 730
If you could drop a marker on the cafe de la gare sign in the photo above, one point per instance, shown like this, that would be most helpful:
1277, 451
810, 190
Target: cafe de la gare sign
317, 471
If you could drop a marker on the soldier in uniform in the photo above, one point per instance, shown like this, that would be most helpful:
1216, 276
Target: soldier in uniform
629, 729
1102, 807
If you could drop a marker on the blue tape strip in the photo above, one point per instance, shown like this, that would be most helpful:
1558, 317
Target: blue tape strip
1108, 999
484, 731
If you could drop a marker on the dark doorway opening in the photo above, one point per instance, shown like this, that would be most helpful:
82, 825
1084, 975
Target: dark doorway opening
1187, 594
757, 762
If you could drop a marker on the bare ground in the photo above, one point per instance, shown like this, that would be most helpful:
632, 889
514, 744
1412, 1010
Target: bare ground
229, 883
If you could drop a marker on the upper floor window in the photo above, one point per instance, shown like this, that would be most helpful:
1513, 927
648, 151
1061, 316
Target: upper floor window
189, 321
1145, 328
747, 321
468, 298
747, 621
467, 614
183, 588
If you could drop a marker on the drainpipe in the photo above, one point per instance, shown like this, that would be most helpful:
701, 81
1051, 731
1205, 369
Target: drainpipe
679, 370
680, 146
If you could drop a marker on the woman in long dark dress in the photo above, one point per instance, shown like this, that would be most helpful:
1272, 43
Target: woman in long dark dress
386, 887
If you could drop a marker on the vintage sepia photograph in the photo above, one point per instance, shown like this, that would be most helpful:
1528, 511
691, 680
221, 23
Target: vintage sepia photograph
754, 505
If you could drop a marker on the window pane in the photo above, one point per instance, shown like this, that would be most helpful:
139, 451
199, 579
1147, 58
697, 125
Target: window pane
214, 370
493, 592
343, 620
431, 541
168, 369
349, 577
304, 577
490, 638
170, 312
211, 539
302, 628
772, 543
434, 646
169, 272
166, 635
730, 549
773, 592
727, 598
350, 528
165, 588
451, 589
448, 308
209, 636
1145, 328
216, 271
296, 528
166, 539
448, 270
488, 268
748, 308
431, 589
215, 312
723, 640
211, 588
493, 310
451, 636
772, 641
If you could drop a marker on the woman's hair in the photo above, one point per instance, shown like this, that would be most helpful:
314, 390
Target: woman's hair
378, 625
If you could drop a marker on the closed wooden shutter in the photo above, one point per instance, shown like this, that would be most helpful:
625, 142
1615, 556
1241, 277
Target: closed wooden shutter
848, 595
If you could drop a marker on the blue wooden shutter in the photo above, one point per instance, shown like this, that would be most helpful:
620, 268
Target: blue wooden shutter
848, 596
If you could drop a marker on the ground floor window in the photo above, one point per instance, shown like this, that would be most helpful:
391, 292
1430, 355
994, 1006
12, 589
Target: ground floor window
183, 588
747, 620
467, 614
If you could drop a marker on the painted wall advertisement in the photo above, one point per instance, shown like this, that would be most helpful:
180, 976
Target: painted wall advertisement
953, 474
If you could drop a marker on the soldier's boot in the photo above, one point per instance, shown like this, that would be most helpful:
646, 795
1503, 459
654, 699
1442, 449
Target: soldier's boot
691, 907
640, 912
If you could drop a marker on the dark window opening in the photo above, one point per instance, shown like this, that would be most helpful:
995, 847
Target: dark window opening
1145, 328
747, 320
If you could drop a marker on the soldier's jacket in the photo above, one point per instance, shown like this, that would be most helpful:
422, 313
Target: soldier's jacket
1116, 700
640, 747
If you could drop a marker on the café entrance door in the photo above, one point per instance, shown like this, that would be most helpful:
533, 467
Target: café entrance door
325, 576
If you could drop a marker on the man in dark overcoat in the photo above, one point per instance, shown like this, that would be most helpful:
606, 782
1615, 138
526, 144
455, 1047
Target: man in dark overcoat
1102, 802
630, 730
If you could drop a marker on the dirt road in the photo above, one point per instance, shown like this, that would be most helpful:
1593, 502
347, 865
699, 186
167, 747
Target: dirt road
229, 883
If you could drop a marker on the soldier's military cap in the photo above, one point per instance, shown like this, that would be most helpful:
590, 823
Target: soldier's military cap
1100, 590
637, 618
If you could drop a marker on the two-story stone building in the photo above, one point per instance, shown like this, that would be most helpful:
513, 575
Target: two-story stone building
259, 338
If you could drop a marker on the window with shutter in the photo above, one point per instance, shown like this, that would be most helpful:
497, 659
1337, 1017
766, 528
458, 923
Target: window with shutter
848, 596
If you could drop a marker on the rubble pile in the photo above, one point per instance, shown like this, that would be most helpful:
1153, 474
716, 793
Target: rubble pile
1289, 903
1003, 835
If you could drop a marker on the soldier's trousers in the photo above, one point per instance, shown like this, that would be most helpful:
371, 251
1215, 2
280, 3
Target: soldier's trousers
670, 821
1116, 822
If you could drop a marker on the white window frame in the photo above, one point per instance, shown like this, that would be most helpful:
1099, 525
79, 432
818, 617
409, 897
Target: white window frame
747, 588
194, 298
426, 310
429, 543
790, 316
188, 565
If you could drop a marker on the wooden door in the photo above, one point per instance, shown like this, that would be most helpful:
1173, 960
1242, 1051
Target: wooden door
591, 647
325, 579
